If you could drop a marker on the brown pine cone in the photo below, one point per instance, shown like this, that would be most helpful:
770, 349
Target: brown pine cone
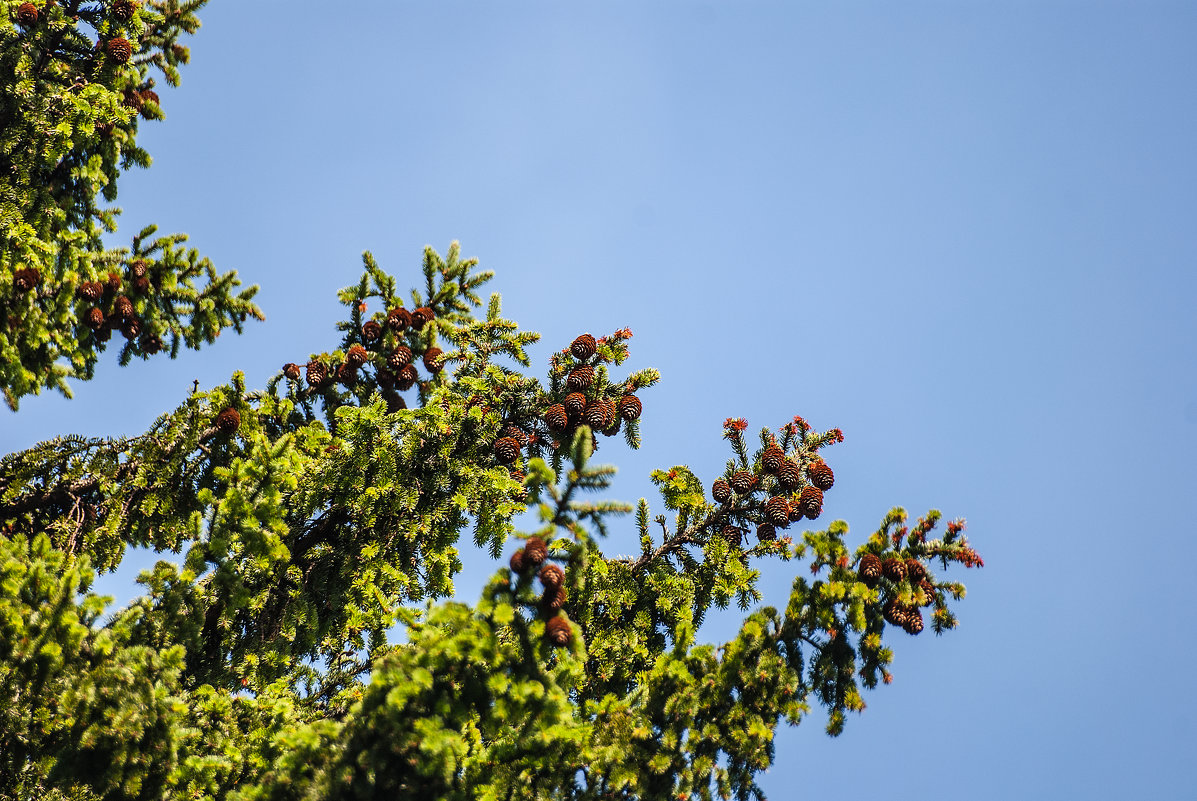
557, 631
407, 378
580, 378
777, 510
595, 415
394, 400
291, 371
514, 432
114, 281
612, 427
928, 589
535, 551
398, 319
141, 285
122, 308
556, 418
820, 475
869, 569
371, 331
103, 333
789, 475
26, 279
356, 356
766, 532
131, 328
27, 15
420, 316
151, 344
507, 450
228, 421
122, 9
630, 407
317, 373
733, 534
119, 49
810, 502
517, 561
91, 290
346, 374
94, 318
555, 600
518, 476
893, 569
894, 612
914, 620
400, 358
551, 576
433, 361
772, 459
721, 490
575, 403
742, 481
915, 570
583, 347
137, 268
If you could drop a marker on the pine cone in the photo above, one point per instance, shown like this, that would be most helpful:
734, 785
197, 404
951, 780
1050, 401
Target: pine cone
721, 490
595, 415
535, 551
151, 344
398, 319
894, 612
514, 432
869, 569
789, 475
893, 569
371, 331
122, 307
556, 418
317, 373
517, 561
27, 15
772, 459
119, 49
583, 347
551, 576
141, 285
122, 9
228, 421
810, 502
94, 318
630, 407
928, 589
915, 570
91, 290
25, 280
612, 427
433, 361
820, 475
777, 509
765, 532
518, 476
394, 400
914, 620
554, 601
507, 450
356, 356
346, 374
103, 333
291, 371
742, 481
131, 328
733, 534
400, 358
575, 403
420, 316
580, 378
557, 631
114, 281
407, 378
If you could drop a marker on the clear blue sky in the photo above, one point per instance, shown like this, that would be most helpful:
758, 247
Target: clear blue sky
963, 232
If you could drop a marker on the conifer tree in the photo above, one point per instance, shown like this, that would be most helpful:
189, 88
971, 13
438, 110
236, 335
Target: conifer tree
315, 514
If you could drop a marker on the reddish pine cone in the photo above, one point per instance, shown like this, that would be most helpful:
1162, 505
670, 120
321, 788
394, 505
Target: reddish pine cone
141, 285
766, 532
356, 356
137, 267
557, 631
317, 373
556, 418
25, 280
507, 450
551, 576
517, 561
394, 400
810, 502
595, 415
580, 378
789, 475
228, 421
91, 290
928, 589
583, 347
518, 476
291, 371
514, 432
420, 316
630, 407
893, 569
894, 612
612, 427
915, 570
407, 378
721, 491
103, 333
114, 281
400, 358
122, 9
777, 509
398, 319
869, 569
27, 14
914, 620
346, 374
732, 534
742, 481
94, 319
131, 328
820, 475
772, 459
433, 361
119, 49
535, 551
575, 403
122, 307
371, 331
555, 600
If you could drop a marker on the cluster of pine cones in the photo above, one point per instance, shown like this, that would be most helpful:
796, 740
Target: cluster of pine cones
383, 345
872, 568
799, 492
113, 310
583, 403
532, 558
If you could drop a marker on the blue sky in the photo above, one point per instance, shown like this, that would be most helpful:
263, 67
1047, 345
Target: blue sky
961, 232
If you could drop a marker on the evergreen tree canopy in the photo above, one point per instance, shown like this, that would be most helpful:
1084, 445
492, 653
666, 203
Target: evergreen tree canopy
317, 513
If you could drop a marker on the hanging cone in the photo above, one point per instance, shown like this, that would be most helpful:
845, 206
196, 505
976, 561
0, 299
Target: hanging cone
558, 632
421, 316
766, 532
556, 418
583, 347
407, 378
122, 307
535, 551
580, 378
291, 371
27, 15
928, 590
517, 561
742, 481
119, 49
595, 415
721, 491
733, 534
820, 475
25, 280
228, 421
91, 290
810, 502
400, 358
514, 432
131, 328
94, 319
356, 356
630, 407
915, 570
317, 373
893, 569
555, 600
612, 427
789, 475
772, 459
522, 493
122, 9
777, 509
398, 319
575, 404
433, 361
551, 576
914, 620
894, 612
507, 450
869, 569
371, 331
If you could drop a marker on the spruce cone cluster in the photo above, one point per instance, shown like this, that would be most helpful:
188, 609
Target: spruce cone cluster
532, 557
586, 404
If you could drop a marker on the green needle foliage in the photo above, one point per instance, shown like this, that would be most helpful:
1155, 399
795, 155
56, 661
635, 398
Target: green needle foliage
310, 520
